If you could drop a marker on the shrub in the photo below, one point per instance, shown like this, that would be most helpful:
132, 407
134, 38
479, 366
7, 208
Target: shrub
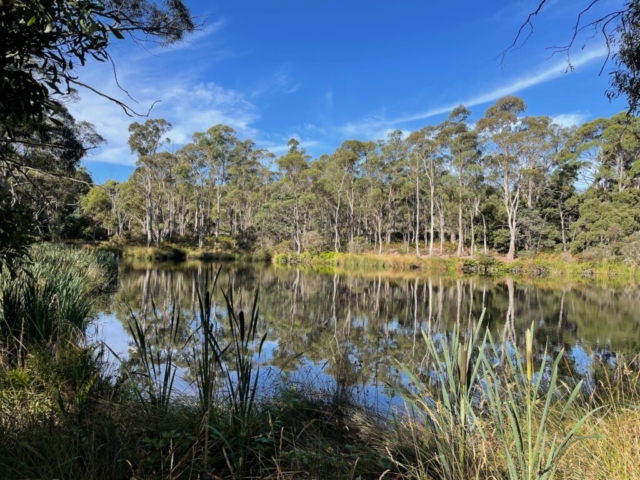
51, 303
314, 242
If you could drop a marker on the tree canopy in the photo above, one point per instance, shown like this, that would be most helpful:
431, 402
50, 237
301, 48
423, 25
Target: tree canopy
44, 42
512, 183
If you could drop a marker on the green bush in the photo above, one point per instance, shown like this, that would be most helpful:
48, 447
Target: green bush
51, 301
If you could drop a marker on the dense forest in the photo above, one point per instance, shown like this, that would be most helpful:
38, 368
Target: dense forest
508, 182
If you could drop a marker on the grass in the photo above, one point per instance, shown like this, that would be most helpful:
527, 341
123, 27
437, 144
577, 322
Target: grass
394, 257
50, 302
474, 408
541, 265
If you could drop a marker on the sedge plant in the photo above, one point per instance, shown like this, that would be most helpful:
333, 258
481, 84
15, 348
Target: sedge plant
521, 405
444, 405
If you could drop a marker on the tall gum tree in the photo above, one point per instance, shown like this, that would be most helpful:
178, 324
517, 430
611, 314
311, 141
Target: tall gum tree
501, 130
461, 143
145, 140
293, 167
220, 145
424, 146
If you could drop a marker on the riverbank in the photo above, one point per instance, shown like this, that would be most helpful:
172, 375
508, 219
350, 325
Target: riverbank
172, 252
541, 265
537, 266
527, 265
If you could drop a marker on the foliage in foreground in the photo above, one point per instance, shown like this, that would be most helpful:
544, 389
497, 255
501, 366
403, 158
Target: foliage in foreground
48, 302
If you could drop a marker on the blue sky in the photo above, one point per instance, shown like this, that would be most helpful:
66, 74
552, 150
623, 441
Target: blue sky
324, 71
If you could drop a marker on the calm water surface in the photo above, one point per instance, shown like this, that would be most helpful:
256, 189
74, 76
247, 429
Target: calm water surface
352, 329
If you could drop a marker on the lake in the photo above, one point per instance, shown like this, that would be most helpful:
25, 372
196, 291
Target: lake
354, 329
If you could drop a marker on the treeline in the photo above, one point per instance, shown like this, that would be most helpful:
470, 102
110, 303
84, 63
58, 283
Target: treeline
510, 183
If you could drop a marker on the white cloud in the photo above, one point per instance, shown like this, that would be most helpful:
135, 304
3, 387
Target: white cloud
280, 149
371, 125
570, 119
189, 106
280, 81
183, 99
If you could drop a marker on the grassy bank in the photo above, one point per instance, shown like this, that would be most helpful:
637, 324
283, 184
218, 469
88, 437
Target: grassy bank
179, 253
538, 266
471, 409
531, 266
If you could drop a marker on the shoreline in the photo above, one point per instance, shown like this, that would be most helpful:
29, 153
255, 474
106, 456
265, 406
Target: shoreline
540, 265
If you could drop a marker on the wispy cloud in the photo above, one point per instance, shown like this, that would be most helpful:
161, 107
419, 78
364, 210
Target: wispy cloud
188, 103
278, 82
557, 69
282, 148
184, 99
570, 119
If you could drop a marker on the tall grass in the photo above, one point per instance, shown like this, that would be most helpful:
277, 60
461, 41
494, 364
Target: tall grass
482, 398
520, 406
50, 301
444, 405
226, 374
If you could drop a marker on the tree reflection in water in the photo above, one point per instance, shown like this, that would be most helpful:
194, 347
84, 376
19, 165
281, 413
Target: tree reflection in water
353, 328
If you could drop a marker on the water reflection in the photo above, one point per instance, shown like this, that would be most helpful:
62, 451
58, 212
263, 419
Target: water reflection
354, 329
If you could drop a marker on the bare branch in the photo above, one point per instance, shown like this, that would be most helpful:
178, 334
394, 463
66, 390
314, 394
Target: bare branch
126, 108
526, 24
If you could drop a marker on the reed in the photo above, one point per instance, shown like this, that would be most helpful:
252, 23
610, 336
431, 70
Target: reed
50, 302
521, 408
479, 396
443, 406
240, 375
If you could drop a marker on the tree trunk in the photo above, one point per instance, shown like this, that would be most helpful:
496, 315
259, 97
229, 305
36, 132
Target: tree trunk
218, 196
563, 230
484, 235
417, 216
460, 222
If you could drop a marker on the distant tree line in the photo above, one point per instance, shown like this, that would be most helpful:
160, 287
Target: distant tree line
510, 183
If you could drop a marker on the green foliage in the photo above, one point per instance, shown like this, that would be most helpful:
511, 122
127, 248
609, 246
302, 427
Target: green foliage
525, 403
49, 304
467, 372
447, 403
15, 236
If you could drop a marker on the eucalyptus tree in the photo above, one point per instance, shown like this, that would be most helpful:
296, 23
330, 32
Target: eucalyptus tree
425, 147
394, 152
195, 174
331, 187
610, 150
373, 183
351, 155
562, 199
220, 145
502, 131
292, 185
146, 140
463, 151
542, 142
249, 180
